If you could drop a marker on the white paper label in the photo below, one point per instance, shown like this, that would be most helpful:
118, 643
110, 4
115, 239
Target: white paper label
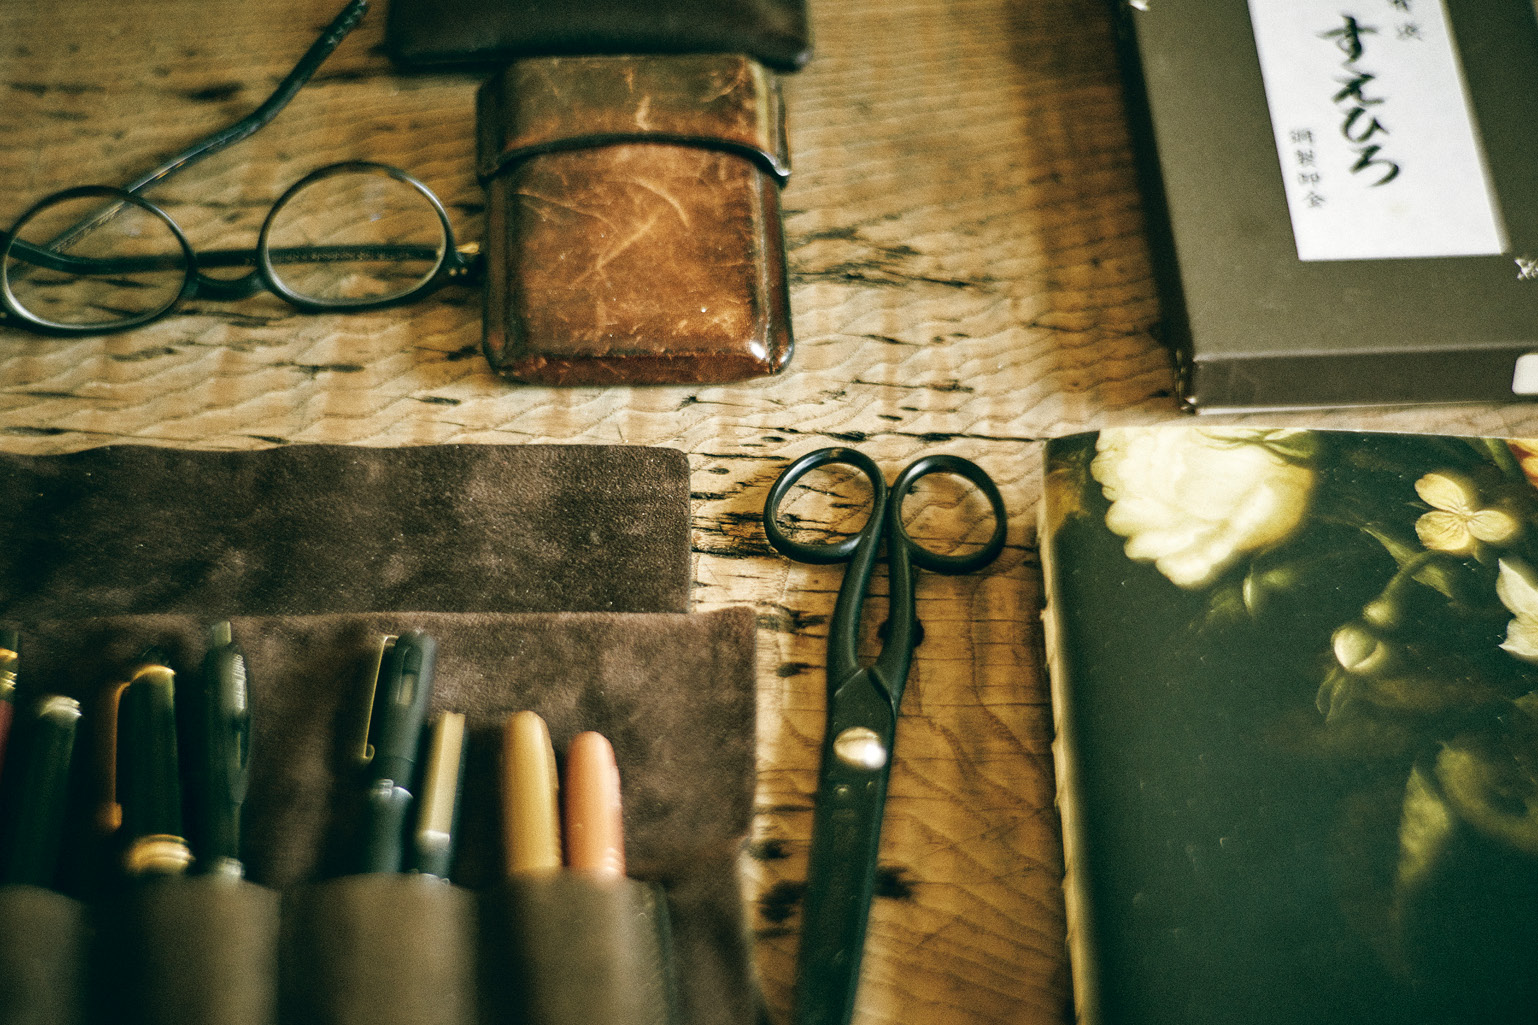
1374, 130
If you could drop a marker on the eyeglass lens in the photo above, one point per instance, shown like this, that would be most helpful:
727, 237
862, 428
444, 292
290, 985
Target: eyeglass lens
358, 236
94, 261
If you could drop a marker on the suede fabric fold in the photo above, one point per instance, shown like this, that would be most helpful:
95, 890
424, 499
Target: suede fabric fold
329, 528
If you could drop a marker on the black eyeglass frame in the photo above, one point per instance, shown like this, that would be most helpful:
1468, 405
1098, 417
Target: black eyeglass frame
454, 262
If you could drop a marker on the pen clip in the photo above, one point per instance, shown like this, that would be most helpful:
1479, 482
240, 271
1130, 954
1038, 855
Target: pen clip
234, 711
109, 812
366, 738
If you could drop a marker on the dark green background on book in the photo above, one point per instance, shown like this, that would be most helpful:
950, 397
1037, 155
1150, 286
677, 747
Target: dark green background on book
1239, 866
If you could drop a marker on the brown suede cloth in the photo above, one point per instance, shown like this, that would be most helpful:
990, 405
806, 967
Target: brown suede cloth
673, 692
327, 528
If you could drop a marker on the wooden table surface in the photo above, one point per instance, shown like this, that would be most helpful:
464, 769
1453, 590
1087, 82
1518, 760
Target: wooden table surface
968, 274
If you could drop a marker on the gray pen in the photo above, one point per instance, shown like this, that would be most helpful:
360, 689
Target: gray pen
35, 826
402, 691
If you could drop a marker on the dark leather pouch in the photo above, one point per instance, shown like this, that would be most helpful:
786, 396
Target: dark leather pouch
570, 949
195, 950
379, 950
633, 220
44, 942
438, 33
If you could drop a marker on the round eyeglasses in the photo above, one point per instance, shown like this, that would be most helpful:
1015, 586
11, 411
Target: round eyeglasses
350, 236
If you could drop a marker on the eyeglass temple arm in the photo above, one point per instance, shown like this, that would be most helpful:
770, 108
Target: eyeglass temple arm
316, 55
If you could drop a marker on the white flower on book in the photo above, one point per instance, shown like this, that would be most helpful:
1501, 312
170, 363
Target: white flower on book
1193, 501
1457, 522
1520, 596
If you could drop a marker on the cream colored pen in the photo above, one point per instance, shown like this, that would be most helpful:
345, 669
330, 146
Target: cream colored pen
437, 827
531, 810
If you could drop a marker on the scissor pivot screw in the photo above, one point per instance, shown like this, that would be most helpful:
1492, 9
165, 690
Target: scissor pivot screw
860, 747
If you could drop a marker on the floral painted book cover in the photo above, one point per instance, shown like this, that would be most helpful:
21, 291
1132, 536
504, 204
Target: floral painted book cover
1295, 681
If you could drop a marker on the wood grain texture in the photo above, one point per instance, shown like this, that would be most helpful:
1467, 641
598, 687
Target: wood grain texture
968, 275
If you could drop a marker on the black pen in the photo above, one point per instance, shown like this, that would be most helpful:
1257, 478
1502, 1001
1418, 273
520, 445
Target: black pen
35, 826
148, 784
432, 842
10, 645
402, 690
219, 765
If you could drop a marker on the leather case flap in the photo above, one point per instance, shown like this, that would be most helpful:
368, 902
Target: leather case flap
488, 33
718, 101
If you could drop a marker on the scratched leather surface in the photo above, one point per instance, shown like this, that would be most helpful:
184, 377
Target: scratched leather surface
633, 221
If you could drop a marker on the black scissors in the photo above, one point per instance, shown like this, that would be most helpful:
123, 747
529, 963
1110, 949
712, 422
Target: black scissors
862, 714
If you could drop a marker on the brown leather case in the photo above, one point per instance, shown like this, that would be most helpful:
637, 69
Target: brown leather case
466, 33
633, 220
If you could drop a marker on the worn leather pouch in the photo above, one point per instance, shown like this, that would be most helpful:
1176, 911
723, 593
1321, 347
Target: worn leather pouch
193, 950
573, 949
379, 950
44, 942
438, 33
633, 220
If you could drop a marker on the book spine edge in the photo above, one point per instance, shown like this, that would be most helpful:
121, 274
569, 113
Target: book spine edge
1082, 963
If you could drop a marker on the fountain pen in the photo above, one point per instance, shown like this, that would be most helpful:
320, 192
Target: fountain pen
402, 691
219, 765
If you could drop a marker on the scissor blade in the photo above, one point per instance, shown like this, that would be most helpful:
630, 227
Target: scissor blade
846, 838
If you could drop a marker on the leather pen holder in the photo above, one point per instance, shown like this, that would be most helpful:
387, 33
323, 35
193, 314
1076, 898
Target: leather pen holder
633, 220
571, 949
44, 946
191, 950
379, 950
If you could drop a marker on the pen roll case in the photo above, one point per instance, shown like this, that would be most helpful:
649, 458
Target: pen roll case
189, 950
573, 949
633, 220
385, 949
44, 948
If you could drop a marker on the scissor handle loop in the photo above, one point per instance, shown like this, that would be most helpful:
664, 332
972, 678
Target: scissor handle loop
824, 552
970, 471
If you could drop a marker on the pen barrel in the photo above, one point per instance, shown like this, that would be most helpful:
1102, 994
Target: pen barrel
36, 828
386, 811
7, 720
8, 660
437, 806
221, 760
149, 783
400, 705
434, 854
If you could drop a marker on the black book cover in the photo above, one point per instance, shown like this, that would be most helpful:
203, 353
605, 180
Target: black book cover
1295, 680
